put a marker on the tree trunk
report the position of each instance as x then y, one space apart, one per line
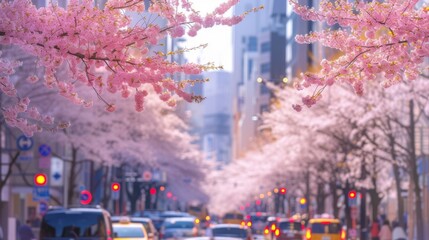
134 196
415 175
333 188
307 192
321 196
375 202
72 178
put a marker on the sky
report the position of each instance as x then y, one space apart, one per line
218 38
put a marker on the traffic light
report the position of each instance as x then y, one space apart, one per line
152 191
40 179
169 195
116 186
282 191
303 201
352 194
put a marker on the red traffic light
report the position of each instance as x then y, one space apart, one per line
282 191
169 195
40 179
352 194
116 187
152 191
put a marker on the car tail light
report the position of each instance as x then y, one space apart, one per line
308 234
325 222
266 230
273 227
249 224
277 232
343 234
243 223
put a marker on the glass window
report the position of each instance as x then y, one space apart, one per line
128 232
179 224
290 226
325 228
252 44
73 224
265 47
265 67
249 68
229 232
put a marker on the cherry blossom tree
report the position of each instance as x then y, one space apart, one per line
386 38
82 39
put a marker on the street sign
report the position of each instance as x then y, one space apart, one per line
45 162
147 176
24 143
43 207
26 156
85 197
40 193
57 172
44 150
115 195
156 175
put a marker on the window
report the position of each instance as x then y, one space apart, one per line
290 226
128 232
73 224
265 47
252 44
230 232
325 228
265 68
179 224
249 68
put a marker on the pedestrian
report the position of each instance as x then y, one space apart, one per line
385 232
1 233
398 232
25 232
375 230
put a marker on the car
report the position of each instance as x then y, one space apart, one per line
257 221
154 215
127 230
233 218
230 230
89 223
290 229
179 228
324 228
152 233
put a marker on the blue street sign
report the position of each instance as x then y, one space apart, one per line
44 150
57 176
43 207
41 193
24 143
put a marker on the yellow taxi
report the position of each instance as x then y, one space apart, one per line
233 218
324 229
126 230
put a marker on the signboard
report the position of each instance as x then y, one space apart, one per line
26 156
85 197
44 150
43 207
45 162
41 193
24 143
57 172
115 195
147 176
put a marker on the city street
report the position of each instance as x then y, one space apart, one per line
214 120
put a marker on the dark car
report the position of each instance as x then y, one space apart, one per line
92 223
257 222
290 229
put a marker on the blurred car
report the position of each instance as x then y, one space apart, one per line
179 228
152 233
154 215
89 223
233 218
230 230
290 229
257 222
324 229
127 230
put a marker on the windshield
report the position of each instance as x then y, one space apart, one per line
325 228
258 218
128 232
229 232
290 226
233 216
73 225
179 224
